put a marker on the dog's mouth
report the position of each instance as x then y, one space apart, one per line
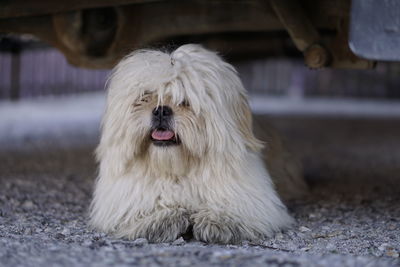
164 137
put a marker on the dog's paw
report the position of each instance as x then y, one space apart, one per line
219 229
163 226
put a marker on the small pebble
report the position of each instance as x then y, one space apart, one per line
140 242
330 247
383 246
66 231
28 204
306 248
304 229
326 228
28 231
179 242
59 236
87 243
312 216
279 236
392 253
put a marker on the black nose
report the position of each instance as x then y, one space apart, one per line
162 112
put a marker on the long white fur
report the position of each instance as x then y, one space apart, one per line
215 180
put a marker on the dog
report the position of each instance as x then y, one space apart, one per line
177 153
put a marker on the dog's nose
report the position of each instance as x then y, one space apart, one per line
162 112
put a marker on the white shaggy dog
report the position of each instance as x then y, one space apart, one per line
177 152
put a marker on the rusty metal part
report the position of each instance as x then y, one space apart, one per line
318 53
89 31
343 57
299 27
92 34
303 33
316 56
140 25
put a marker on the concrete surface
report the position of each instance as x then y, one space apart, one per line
350 218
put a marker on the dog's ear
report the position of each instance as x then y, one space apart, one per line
245 123
113 153
113 158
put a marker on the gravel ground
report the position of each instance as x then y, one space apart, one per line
350 218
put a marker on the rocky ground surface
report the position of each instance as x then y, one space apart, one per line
350 218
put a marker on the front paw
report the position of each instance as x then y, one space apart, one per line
214 228
167 229
160 227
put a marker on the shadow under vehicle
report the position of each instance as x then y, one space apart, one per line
97 33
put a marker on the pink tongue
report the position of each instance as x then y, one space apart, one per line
162 135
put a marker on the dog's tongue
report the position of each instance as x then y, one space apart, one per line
162 135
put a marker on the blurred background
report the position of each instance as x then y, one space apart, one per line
43 98
31 69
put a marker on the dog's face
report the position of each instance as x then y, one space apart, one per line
159 120
174 109
168 134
